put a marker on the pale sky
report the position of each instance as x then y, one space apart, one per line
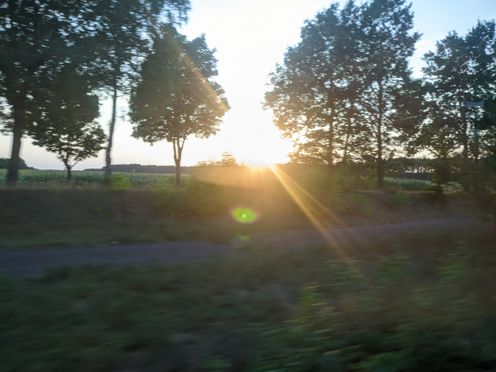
250 37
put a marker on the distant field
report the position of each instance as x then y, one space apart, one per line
44 178
47 178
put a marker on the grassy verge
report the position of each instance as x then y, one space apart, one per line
44 210
44 217
422 303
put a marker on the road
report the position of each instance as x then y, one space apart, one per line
33 262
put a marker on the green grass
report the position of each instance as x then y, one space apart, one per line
399 304
199 211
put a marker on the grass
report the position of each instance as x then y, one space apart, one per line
402 303
199 211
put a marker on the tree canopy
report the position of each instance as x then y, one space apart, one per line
177 95
65 118
339 91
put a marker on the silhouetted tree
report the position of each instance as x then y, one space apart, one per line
4 163
346 88
64 118
122 35
177 96
460 70
36 38
386 44
314 92
227 160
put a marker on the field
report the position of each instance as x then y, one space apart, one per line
34 178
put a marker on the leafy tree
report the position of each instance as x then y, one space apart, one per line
313 92
4 163
433 135
122 32
346 88
176 96
389 98
460 70
36 37
227 160
64 118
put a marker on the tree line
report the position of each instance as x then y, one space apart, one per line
59 58
346 91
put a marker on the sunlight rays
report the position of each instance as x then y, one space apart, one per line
314 210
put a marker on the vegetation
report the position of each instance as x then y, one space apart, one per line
458 73
4 163
345 92
401 303
139 207
177 96
65 124
121 41
344 83
393 300
101 42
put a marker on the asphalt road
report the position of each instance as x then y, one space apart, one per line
33 262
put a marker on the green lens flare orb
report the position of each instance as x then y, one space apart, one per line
244 215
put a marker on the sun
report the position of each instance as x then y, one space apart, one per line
262 152
257 163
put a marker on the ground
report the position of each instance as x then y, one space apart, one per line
151 278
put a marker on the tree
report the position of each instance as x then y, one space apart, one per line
435 136
4 164
64 118
461 70
176 96
122 35
36 37
386 44
227 160
313 92
345 90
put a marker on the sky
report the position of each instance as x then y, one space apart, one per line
250 37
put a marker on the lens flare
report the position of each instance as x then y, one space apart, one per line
244 215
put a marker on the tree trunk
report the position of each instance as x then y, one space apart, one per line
380 165
476 158
465 148
380 160
178 174
19 123
108 150
178 145
331 145
347 139
330 156
69 172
